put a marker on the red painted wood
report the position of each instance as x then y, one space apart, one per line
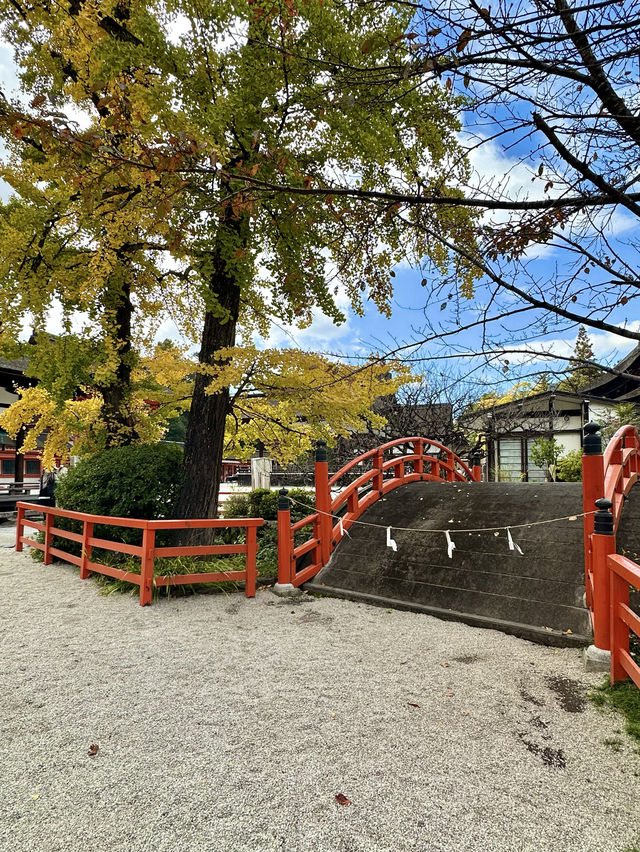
116 546
602 547
203 549
146 567
66 557
147 553
48 522
306 547
323 507
116 573
306 574
19 527
284 546
87 534
206 577
305 522
70 536
592 490
250 572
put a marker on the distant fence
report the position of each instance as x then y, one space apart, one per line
147 552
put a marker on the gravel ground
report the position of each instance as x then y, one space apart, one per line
232 724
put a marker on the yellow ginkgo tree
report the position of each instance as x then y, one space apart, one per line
160 170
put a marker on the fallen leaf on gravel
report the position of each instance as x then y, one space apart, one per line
448 693
464 713
35 795
93 750
446 665
403 662
342 800
412 704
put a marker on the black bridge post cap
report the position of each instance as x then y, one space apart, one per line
321 451
475 460
283 501
592 442
603 519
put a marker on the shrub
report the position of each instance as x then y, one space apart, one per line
236 506
305 496
263 503
130 482
570 466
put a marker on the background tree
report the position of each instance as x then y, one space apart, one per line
551 119
583 374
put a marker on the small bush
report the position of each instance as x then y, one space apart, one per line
303 496
569 468
236 506
126 482
129 482
263 503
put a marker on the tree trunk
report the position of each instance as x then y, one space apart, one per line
204 440
116 394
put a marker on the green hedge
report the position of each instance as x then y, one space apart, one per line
263 503
127 482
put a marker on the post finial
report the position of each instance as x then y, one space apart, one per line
321 451
283 501
603 519
592 442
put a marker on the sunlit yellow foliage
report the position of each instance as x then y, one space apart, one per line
287 399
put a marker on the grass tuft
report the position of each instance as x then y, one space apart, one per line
624 697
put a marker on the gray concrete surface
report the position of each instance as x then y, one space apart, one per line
536 594
231 724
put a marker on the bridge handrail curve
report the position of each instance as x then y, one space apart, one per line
326 532
398 441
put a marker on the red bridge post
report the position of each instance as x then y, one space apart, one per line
284 584
323 501
476 468
592 490
604 545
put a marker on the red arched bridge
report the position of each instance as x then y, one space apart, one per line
410 524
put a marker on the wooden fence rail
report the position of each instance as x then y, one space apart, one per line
147 552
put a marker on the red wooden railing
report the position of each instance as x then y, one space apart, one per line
395 463
624 573
147 552
606 480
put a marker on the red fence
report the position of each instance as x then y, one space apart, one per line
147 552
379 471
606 480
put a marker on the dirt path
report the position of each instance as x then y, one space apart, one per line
227 724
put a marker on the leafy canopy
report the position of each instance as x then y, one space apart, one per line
148 155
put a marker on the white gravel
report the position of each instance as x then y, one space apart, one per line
227 724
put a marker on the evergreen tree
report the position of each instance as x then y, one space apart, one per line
583 374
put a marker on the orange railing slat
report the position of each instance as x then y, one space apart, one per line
147 552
